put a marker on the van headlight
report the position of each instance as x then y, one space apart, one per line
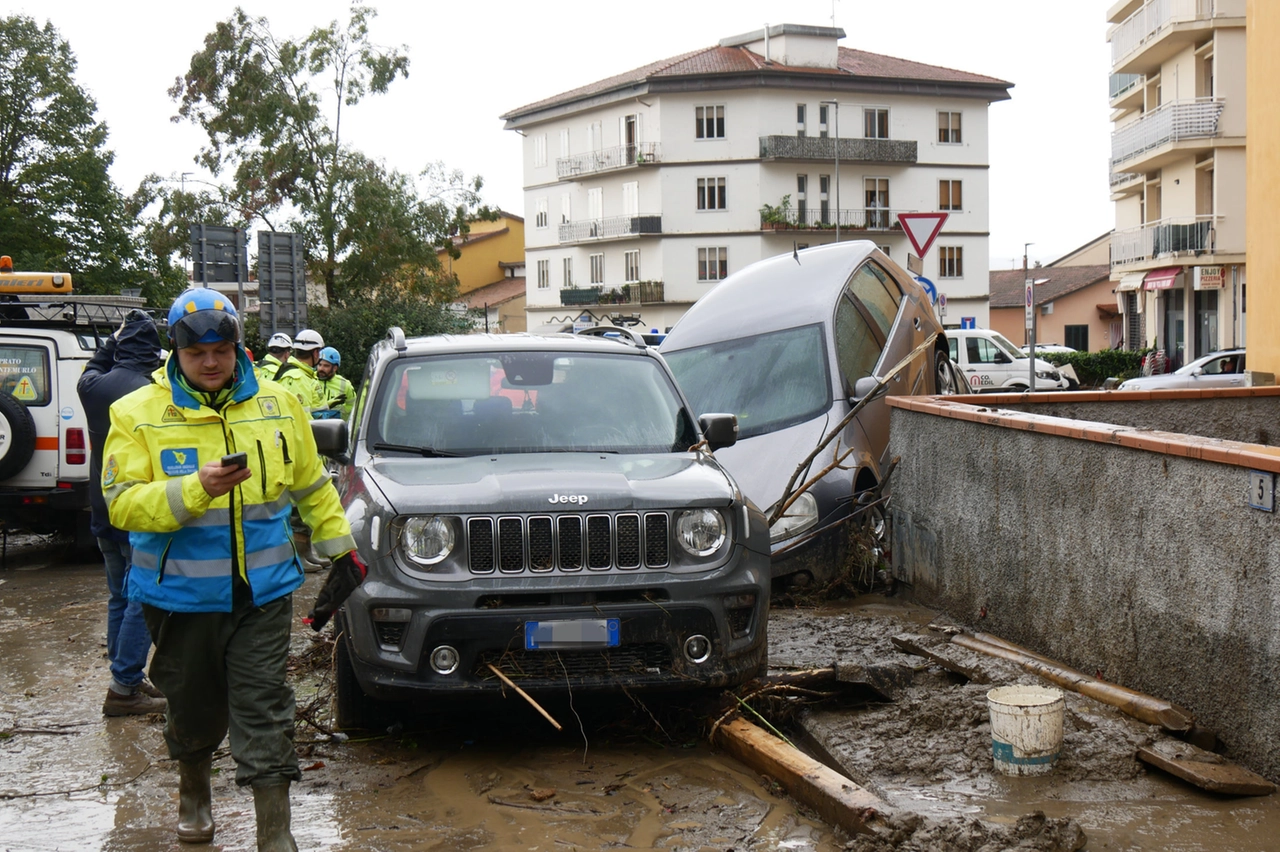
427 540
1048 374
800 515
700 531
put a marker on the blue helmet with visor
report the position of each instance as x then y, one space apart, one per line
331 355
202 315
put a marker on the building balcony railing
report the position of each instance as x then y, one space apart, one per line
1190 119
1190 235
1152 19
1121 178
1122 83
632 293
824 148
816 218
608 159
610 228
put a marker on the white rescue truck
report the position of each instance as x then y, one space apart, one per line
991 363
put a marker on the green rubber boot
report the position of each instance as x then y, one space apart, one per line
271 805
195 801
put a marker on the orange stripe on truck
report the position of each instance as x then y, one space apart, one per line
47 444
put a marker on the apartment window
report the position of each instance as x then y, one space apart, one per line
951 261
1076 336
540 216
566 209
876 202
631 266
802 199
824 193
597 268
564 142
949 128
713 264
884 250
540 150
544 274
800 119
823 110
711 194
709 122
875 123
949 197
595 137
568 272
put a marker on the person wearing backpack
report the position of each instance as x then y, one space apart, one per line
279 366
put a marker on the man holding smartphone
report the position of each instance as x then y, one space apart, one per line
202 468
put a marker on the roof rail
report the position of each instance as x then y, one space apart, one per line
72 311
615 332
396 335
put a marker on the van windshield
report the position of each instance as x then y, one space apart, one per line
1008 348
771 381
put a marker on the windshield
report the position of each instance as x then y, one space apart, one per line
522 402
1009 349
771 381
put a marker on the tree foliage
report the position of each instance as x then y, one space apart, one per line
272 110
58 206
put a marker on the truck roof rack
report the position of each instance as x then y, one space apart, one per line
71 312
614 332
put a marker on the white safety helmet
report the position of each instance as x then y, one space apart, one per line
280 340
308 341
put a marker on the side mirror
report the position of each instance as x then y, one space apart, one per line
1198 371
1002 358
331 436
865 385
720 430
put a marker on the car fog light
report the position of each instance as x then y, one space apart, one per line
427 540
444 660
700 531
800 515
697 649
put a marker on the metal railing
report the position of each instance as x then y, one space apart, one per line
1121 83
814 218
851 150
1152 19
1190 119
1119 178
610 227
1165 237
607 159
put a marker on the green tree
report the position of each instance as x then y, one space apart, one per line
58 206
272 110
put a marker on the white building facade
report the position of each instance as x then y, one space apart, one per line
1178 173
644 190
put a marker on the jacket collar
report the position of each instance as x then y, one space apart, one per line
245 386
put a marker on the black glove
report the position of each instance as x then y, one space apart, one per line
338 401
347 573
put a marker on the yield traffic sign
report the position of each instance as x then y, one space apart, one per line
922 229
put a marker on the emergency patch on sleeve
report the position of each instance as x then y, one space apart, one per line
269 406
179 462
110 471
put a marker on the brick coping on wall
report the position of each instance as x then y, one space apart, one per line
981 408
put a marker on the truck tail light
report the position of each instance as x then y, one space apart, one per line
75 446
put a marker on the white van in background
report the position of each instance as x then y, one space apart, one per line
991 363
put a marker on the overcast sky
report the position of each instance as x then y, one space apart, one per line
473 61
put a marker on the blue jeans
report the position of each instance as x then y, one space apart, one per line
128 641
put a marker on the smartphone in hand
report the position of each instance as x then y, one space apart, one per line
236 460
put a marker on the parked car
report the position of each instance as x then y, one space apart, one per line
991 363
541 507
1216 370
789 345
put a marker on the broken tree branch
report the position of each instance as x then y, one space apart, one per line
535 705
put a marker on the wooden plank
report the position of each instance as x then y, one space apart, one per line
942 652
836 799
1204 769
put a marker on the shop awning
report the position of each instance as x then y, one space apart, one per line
1130 281
1162 279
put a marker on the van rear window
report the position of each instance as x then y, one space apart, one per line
24 373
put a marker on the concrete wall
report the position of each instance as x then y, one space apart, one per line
1125 552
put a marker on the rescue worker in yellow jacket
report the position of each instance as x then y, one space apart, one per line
336 390
202 468
279 366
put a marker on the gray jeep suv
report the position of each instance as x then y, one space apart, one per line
549 508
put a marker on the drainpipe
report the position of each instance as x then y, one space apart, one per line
766 43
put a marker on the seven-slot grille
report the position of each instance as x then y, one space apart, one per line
598 542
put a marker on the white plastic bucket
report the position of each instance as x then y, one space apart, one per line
1026 728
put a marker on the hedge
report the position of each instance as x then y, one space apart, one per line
1094 368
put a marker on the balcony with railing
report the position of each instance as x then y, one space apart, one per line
610 228
824 148
1173 122
1126 91
632 293
1154 24
1174 237
608 159
816 219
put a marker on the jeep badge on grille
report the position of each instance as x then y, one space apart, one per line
580 499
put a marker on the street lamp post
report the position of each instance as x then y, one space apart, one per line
836 146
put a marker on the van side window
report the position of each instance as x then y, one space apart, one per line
981 350
858 346
954 345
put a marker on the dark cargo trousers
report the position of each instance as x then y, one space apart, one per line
225 672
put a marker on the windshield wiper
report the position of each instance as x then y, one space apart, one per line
425 452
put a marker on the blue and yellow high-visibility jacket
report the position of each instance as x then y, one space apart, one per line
185 543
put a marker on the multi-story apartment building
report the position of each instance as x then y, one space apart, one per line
1178 173
644 189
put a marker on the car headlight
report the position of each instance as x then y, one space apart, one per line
800 515
427 540
700 531
1047 374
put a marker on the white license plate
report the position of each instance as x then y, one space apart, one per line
577 633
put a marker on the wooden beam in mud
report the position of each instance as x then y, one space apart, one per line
836 799
939 651
1204 769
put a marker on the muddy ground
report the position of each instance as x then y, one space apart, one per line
622 774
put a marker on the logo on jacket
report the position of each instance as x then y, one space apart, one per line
110 471
173 415
179 462
269 406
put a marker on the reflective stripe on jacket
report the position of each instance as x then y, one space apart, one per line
185 543
332 388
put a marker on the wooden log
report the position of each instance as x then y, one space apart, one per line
1204 769
937 650
836 799
1143 707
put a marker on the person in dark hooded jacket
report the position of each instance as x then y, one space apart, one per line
120 366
